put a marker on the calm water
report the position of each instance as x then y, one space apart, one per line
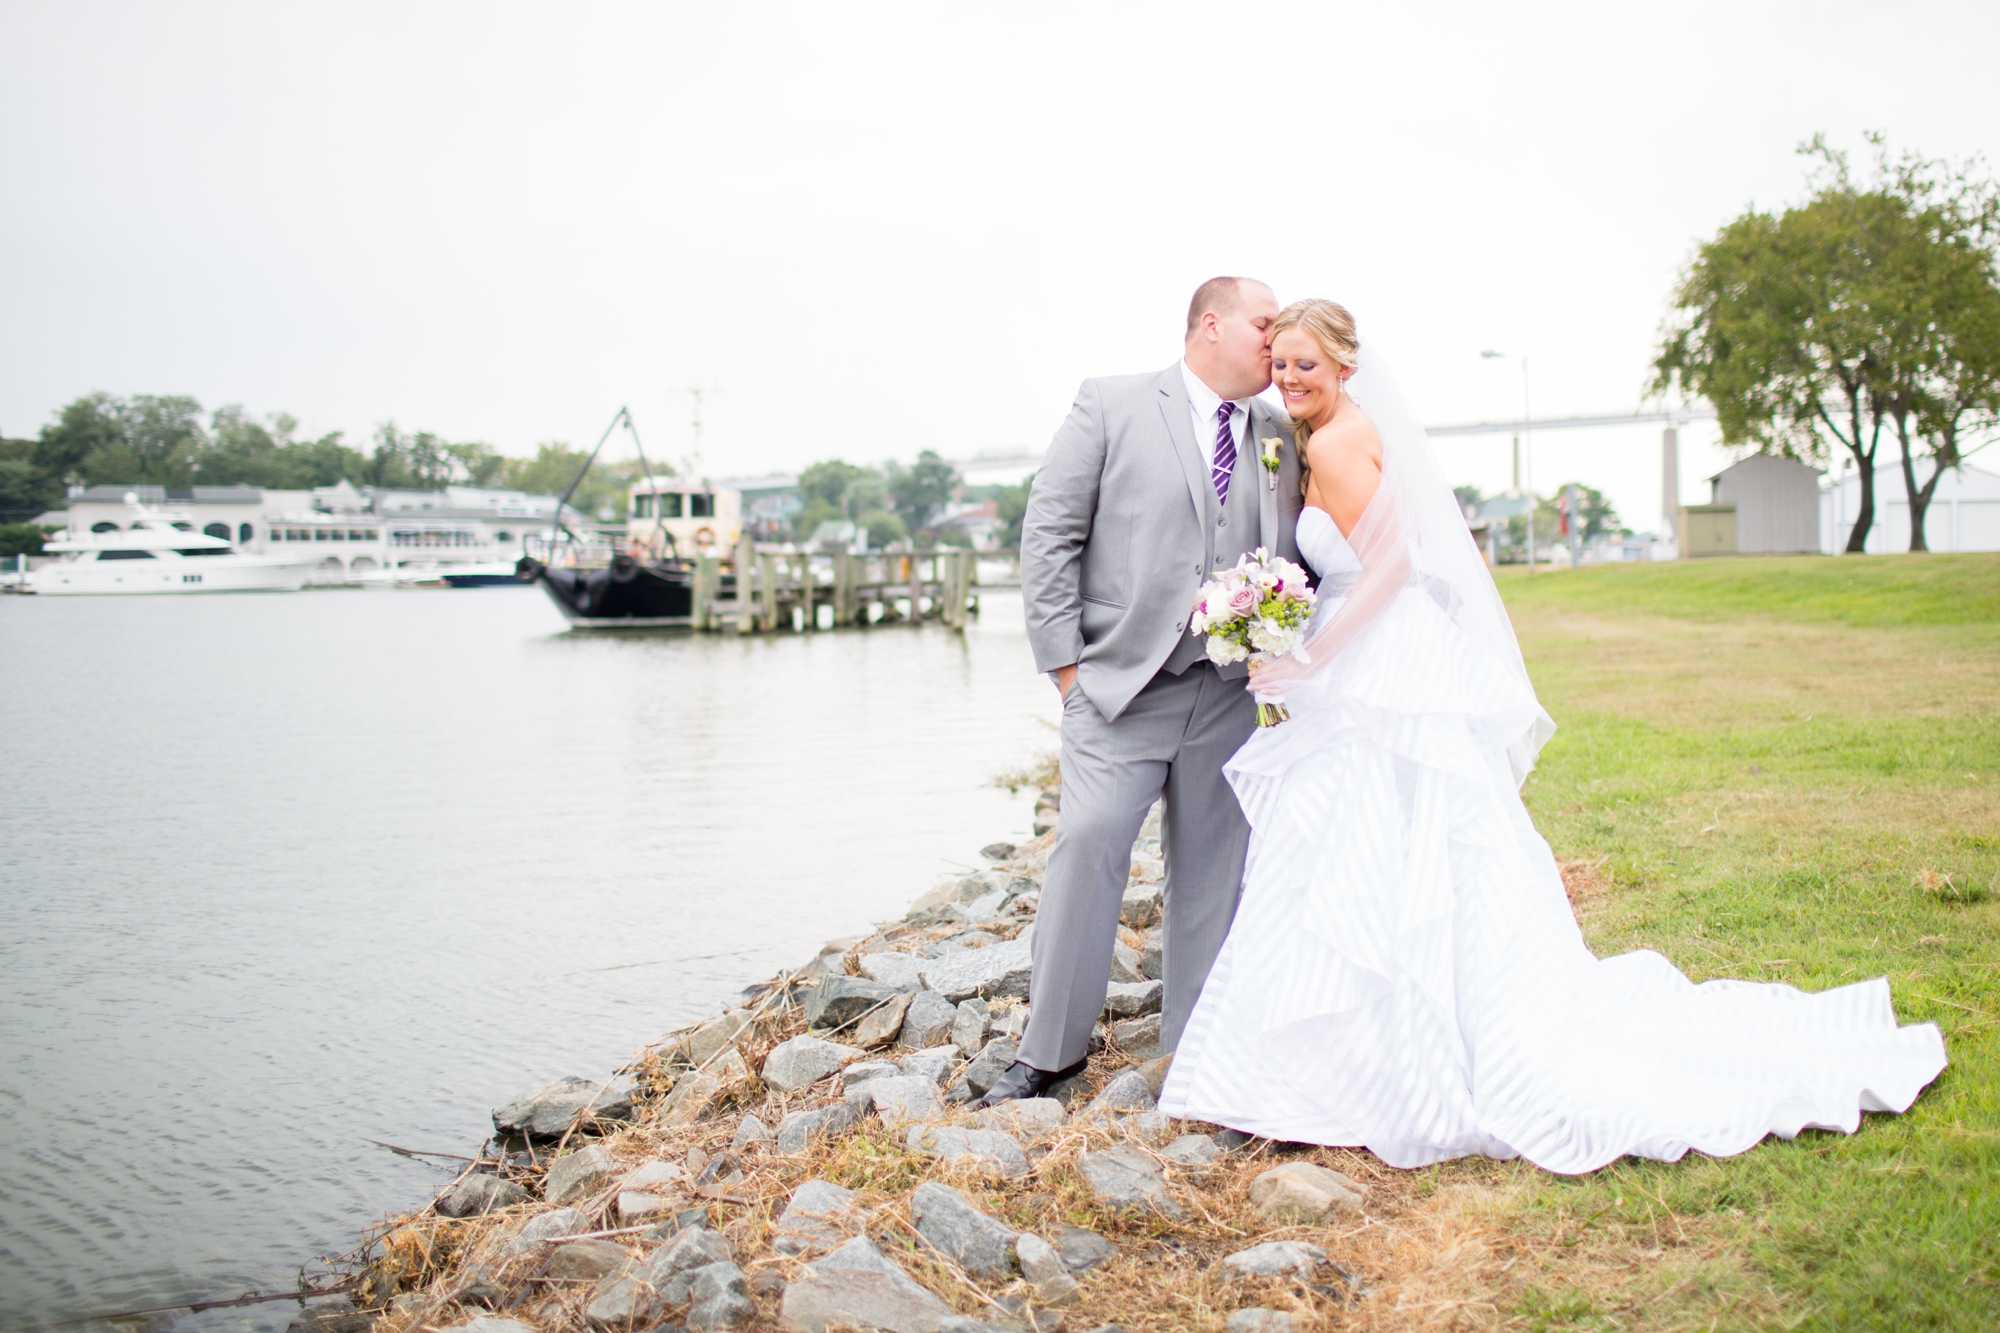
283 874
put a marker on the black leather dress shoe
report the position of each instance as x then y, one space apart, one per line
1023 1080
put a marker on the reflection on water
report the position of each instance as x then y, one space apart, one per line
283 874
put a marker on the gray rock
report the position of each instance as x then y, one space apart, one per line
484 1324
863 1070
588 1260
989 1151
899 971
1011 1023
804 1061
999 971
819 1217
718 1298
622 1301
579 1174
1143 1126
956 1228
1229 1140
879 1026
997 851
1131 999
1138 1037
1141 906
798 1129
979 1075
1152 958
987 906
1192 1150
341 1317
1028 1116
544 1226
1126 1092
842 999
969 1031
1259 1319
1039 1260
1124 1177
672 1267
973 939
549 1111
749 1130
905 1097
934 1064
965 1323
1303 1192
929 1020
716 1035
1081 1249
856 1285
1125 963
480 1193
1275 1258
1156 1073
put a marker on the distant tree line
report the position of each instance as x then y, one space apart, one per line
898 502
1871 310
162 440
1596 517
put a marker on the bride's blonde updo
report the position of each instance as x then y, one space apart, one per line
1328 324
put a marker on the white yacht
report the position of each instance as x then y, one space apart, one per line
159 553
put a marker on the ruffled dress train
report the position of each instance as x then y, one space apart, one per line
1405 973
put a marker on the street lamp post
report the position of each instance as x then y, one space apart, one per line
1528 431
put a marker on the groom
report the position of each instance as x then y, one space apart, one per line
1153 484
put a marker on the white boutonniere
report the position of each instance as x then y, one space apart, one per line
1267 450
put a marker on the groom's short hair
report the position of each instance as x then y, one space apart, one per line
1217 294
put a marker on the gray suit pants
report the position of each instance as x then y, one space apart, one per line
1172 739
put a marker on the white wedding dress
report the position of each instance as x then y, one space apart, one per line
1405 973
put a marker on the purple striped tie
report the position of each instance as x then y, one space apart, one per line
1225 453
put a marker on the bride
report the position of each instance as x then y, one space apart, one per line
1404 972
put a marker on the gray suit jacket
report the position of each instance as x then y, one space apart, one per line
1115 543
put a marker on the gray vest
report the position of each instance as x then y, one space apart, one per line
1232 532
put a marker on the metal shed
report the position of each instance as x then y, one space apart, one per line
1777 504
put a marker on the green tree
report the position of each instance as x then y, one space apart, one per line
263 453
23 538
24 490
883 528
1862 309
919 491
89 428
1940 385
828 482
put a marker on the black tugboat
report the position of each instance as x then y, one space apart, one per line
631 592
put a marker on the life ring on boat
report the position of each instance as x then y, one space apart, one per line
704 536
623 568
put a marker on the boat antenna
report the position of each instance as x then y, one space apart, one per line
555 522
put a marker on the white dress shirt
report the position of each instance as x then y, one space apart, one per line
1204 404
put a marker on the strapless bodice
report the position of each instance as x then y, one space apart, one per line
1327 552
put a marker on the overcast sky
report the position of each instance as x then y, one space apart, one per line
873 228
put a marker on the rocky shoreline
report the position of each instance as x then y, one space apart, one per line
807 1161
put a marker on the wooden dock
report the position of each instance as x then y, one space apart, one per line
802 590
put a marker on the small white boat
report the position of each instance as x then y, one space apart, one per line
159 553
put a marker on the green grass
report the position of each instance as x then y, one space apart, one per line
1793 767
1852 590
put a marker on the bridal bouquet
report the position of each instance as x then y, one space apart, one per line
1258 610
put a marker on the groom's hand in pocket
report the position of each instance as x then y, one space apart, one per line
1065 677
